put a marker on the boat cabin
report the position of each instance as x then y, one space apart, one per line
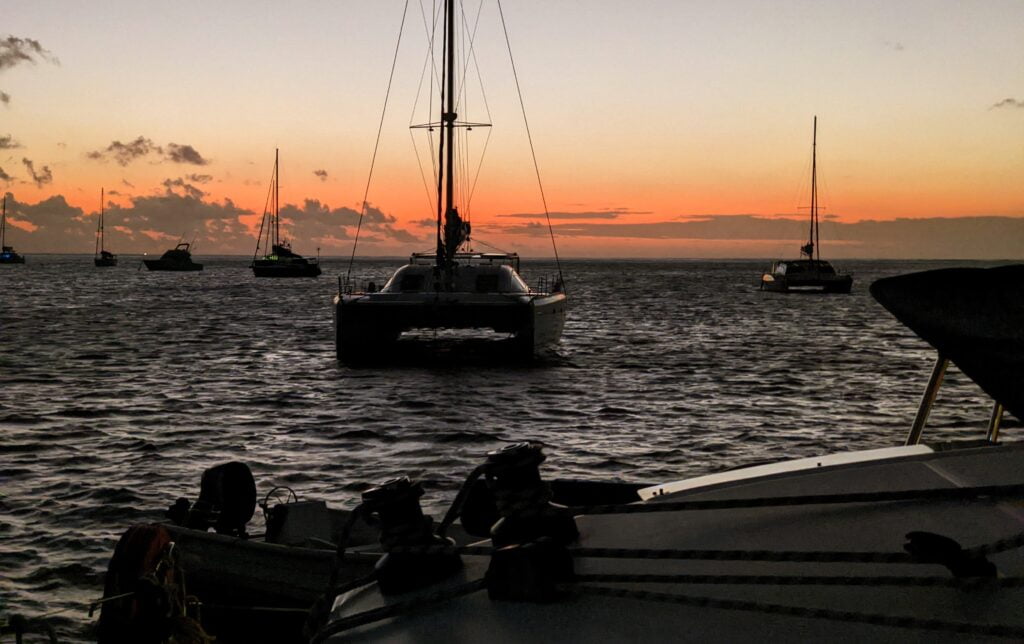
469 278
800 266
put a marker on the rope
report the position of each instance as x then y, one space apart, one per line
818 556
533 153
998 630
812 499
376 145
460 500
398 608
805 580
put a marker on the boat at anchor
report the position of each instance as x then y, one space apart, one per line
452 287
103 256
178 258
7 253
811 273
280 261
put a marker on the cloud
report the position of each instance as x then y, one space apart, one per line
893 45
600 214
321 173
1007 102
127 183
8 143
187 189
6 178
199 178
15 51
149 223
113 193
316 221
125 153
980 237
41 178
184 154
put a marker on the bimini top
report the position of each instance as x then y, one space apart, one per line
973 316
480 278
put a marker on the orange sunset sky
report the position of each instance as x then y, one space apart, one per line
661 128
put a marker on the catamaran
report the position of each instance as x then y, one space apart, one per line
452 287
280 261
812 274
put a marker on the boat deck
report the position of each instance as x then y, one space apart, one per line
742 611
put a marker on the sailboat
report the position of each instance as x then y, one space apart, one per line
7 253
280 261
103 256
810 273
452 287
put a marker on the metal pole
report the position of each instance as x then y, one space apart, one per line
994 421
927 400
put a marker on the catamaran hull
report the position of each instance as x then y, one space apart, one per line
368 325
835 284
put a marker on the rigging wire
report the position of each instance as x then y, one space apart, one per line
428 62
376 145
529 138
259 238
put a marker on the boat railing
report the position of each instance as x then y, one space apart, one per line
469 259
931 391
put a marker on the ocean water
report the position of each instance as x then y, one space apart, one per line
118 387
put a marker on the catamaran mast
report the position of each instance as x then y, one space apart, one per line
446 146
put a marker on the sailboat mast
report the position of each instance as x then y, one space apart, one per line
103 241
450 114
3 223
277 195
812 240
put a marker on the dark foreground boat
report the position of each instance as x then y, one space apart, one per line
103 258
281 261
7 253
177 259
919 542
813 274
451 289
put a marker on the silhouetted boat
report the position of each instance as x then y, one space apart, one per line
7 253
281 262
451 287
177 259
103 256
812 274
920 542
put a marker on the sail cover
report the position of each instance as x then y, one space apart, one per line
973 316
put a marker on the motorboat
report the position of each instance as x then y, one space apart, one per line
919 542
7 253
280 261
103 257
178 258
453 288
810 273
